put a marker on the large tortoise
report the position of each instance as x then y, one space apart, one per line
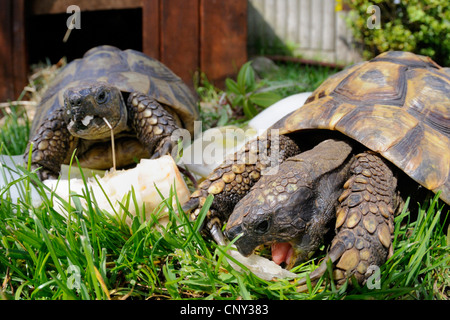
368 137
140 98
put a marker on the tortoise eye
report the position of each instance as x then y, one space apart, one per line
102 97
262 227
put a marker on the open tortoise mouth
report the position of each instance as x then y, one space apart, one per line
283 252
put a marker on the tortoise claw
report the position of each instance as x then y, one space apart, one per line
334 254
164 148
213 226
217 234
44 173
191 205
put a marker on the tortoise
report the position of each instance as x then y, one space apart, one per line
141 99
338 168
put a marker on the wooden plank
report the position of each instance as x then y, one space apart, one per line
280 18
345 52
328 30
251 25
180 37
6 66
19 47
151 35
340 40
60 6
305 23
270 18
316 19
292 19
223 38
259 34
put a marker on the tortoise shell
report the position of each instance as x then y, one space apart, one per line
397 104
129 71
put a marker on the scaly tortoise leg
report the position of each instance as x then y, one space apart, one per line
364 221
52 146
152 123
232 180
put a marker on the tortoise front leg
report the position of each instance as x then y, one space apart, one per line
152 123
232 180
52 146
364 220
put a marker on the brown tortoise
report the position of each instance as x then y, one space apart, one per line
140 98
348 157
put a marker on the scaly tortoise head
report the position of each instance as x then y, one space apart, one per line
87 108
294 203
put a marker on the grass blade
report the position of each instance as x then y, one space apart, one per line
49 244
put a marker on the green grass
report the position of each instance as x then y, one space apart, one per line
15 130
94 254
302 78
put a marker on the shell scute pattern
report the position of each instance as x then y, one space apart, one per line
129 71
362 101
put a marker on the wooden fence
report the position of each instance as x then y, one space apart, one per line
316 29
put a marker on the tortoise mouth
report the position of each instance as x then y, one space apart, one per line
290 253
90 127
283 252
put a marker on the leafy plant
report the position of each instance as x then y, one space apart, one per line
248 93
215 109
419 26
